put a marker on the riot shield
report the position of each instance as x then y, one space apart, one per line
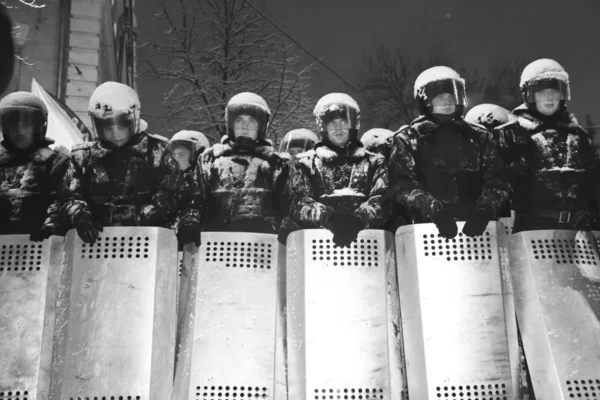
556 277
508 223
29 275
458 316
229 328
116 316
344 339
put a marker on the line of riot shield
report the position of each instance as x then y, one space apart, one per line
344 338
458 318
29 277
556 277
116 316
232 333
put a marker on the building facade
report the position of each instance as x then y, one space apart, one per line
72 46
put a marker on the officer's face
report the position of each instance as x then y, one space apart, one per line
338 132
245 125
547 101
183 157
293 151
444 103
21 135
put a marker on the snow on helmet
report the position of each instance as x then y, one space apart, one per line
28 109
489 115
337 105
302 138
375 137
438 80
544 74
194 141
114 109
250 104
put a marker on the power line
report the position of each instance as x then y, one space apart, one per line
302 47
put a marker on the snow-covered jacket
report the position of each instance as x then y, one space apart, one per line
552 166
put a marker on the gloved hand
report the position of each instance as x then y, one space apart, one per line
582 220
478 221
444 220
324 217
149 215
345 228
87 228
189 233
44 232
287 226
517 169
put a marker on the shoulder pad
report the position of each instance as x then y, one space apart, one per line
161 138
306 154
507 124
82 146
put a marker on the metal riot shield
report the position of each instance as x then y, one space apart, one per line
229 328
344 338
116 316
458 316
508 223
556 277
29 274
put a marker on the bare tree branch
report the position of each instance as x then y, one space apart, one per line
215 49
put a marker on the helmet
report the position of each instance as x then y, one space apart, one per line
438 80
195 142
24 109
337 105
489 115
375 137
544 74
114 109
251 104
302 138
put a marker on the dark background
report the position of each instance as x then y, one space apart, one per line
476 33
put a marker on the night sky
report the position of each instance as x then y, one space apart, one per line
475 32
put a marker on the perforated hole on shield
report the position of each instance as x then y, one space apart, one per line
564 251
349 393
107 398
109 247
583 388
14 395
361 253
21 257
229 392
461 248
240 254
478 391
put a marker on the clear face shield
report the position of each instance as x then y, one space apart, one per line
185 153
117 130
296 144
19 127
447 86
548 89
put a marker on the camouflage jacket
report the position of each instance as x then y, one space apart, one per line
552 166
457 163
29 190
114 183
354 183
239 188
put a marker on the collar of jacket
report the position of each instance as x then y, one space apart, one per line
429 127
39 154
530 123
355 152
265 152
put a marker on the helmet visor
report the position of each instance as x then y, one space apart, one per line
451 86
558 87
117 130
20 126
296 143
341 111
